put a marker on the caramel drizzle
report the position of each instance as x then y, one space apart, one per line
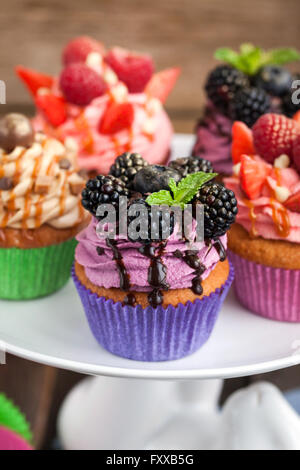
28 197
252 216
82 126
280 214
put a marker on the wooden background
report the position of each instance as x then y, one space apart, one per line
175 32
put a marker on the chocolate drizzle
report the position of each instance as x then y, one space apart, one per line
130 299
190 257
157 272
218 245
100 250
117 256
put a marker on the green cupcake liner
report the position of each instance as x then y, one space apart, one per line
35 272
12 418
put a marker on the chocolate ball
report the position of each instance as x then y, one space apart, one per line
15 130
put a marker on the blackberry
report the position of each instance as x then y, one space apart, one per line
273 79
143 234
126 167
153 178
220 209
102 190
249 104
222 85
189 165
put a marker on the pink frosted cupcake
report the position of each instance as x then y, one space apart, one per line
264 243
246 86
104 103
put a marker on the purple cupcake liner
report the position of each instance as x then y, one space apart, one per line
160 334
273 293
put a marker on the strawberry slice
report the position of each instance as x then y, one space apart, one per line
117 117
293 202
53 107
242 141
162 83
296 117
253 175
33 79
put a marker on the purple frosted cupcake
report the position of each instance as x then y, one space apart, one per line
154 297
247 85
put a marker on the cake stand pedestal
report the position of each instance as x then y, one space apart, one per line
132 405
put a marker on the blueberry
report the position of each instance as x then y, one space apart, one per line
154 178
274 79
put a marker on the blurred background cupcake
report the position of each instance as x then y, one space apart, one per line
247 85
264 242
104 102
155 297
40 210
15 433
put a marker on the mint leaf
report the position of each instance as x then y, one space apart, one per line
189 186
227 55
251 58
161 198
173 186
281 56
246 48
183 192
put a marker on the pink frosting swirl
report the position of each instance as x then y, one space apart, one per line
265 216
150 133
102 271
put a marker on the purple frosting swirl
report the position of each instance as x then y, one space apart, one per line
101 269
214 140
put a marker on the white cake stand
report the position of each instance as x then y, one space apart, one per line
54 331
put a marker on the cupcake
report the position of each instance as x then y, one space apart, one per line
104 103
247 85
264 242
15 431
153 292
40 210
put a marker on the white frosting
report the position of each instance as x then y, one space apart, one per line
41 190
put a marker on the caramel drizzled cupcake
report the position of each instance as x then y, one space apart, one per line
265 241
155 294
40 210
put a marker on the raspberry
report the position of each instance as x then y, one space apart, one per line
80 84
132 69
273 135
79 48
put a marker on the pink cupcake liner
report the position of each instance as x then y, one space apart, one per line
160 334
272 293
